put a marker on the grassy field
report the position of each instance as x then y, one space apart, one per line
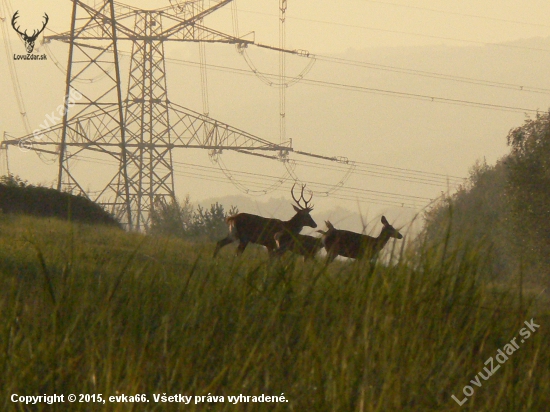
92 310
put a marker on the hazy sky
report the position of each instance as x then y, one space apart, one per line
323 26
335 26
362 29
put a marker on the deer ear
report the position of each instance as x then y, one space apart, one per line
385 221
296 208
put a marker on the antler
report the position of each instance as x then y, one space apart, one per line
43 26
34 33
15 16
306 202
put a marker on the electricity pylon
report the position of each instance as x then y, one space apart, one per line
142 129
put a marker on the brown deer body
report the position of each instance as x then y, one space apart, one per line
355 245
304 245
248 228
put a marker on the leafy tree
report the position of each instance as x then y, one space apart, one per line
172 219
474 217
182 220
529 187
506 207
13 181
209 224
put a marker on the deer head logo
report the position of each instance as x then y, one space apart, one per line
29 40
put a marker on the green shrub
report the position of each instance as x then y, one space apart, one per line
20 197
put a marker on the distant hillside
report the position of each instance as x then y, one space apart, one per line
19 197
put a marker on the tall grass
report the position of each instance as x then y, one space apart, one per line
90 310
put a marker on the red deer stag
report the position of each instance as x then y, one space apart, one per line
355 245
304 245
246 228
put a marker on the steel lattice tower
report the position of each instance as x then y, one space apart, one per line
142 130
147 120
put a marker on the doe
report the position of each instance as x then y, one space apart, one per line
304 245
355 245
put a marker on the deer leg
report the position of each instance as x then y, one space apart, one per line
331 256
275 253
225 241
241 247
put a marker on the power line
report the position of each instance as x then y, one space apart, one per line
356 63
408 6
258 180
484 43
372 90
412 171
403 204
263 178
441 76
439 181
417 96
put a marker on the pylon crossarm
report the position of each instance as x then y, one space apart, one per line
200 33
192 129
40 147
94 30
250 153
95 129
65 37
99 130
181 23
298 52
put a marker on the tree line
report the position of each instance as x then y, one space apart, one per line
182 219
505 208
